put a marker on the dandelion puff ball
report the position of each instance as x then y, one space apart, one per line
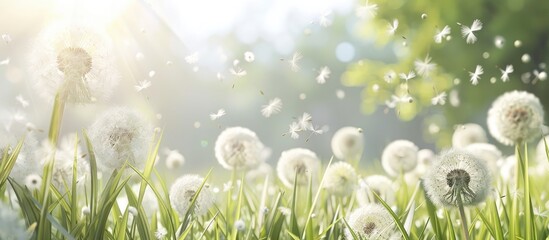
239 148
371 221
399 157
381 185
120 135
11 225
183 191
488 153
75 61
300 161
515 117
340 179
348 143
468 134
457 171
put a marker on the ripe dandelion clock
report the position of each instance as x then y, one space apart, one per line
468 134
297 161
399 157
340 179
184 190
174 159
11 225
378 184
74 62
457 179
515 117
371 221
239 148
120 135
348 143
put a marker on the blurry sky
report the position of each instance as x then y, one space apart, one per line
154 40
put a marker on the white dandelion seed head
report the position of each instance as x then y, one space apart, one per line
300 161
249 56
348 143
399 156
239 148
487 153
425 158
174 160
11 225
259 173
240 225
468 134
184 189
120 135
33 181
499 41
86 211
371 221
457 172
75 61
515 117
340 179
381 185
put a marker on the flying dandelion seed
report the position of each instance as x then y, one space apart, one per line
442 34
24 103
408 76
294 130
424 67
5 62
192 58
74 61
142 85
325 19
274 106
390 76
469 32
393 27
238 72
323 74
6 37
249 56
294 62
368 10
439 99
475 76
305 121
220 113
505 73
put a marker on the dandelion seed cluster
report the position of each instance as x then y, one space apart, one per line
239 148
297 161
348 143
120 135
371 221
74 61
467 134
184 189
399 157
457 174
515 117
378 184
340 179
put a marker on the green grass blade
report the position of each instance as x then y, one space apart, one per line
393 215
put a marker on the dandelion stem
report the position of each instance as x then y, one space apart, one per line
56 119
463 217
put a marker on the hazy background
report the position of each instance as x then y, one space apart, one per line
158 35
